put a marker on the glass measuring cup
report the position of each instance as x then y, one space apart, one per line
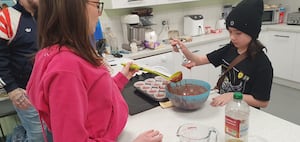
197 133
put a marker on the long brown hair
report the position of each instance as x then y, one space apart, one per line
65 22
255 46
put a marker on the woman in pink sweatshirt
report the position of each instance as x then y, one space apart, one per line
70 84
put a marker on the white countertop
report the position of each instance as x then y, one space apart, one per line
204 39
167 48
263 127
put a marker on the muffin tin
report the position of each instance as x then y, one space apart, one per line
153 88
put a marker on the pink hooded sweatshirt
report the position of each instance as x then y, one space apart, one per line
78 101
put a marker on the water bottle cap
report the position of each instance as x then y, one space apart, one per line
238 95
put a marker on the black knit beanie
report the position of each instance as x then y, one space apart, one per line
247 17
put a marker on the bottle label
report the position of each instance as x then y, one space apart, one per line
236 128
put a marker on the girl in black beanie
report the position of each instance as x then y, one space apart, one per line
253 75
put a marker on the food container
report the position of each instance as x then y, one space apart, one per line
188 94
152 88
151 39
173 34
197 133
139 84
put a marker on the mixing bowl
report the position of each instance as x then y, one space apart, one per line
188 94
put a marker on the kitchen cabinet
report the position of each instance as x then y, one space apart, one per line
296 71
281 51
162 62
118 4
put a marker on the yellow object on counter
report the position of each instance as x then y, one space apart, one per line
160 46
166 104
186 38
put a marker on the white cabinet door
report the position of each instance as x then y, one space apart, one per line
281 48
163 62
118 4
296 73
263 37
205 72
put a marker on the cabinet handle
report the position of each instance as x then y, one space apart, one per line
134 0
195 51
282 36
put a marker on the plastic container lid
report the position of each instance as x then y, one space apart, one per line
282 9
238 95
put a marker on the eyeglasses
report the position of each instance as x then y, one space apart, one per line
99 5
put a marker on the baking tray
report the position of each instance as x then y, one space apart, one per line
136 100
154 88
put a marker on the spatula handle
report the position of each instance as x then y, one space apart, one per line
136 67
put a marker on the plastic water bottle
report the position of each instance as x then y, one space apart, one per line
281 14
112 41
236 119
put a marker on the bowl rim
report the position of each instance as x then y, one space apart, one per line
206 85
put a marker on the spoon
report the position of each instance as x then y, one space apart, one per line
177 76
185 60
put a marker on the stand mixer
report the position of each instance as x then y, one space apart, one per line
133 32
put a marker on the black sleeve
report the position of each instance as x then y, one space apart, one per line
215 57
263 78
5 72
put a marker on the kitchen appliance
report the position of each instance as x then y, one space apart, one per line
145 17
293 18
193 25
133 32
270 16
150 38
221 24
226 10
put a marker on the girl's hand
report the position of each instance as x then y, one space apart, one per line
149 136
222 100
127 71
175 42
189 65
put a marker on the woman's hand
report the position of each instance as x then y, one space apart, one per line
127 72
149 136
222 100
